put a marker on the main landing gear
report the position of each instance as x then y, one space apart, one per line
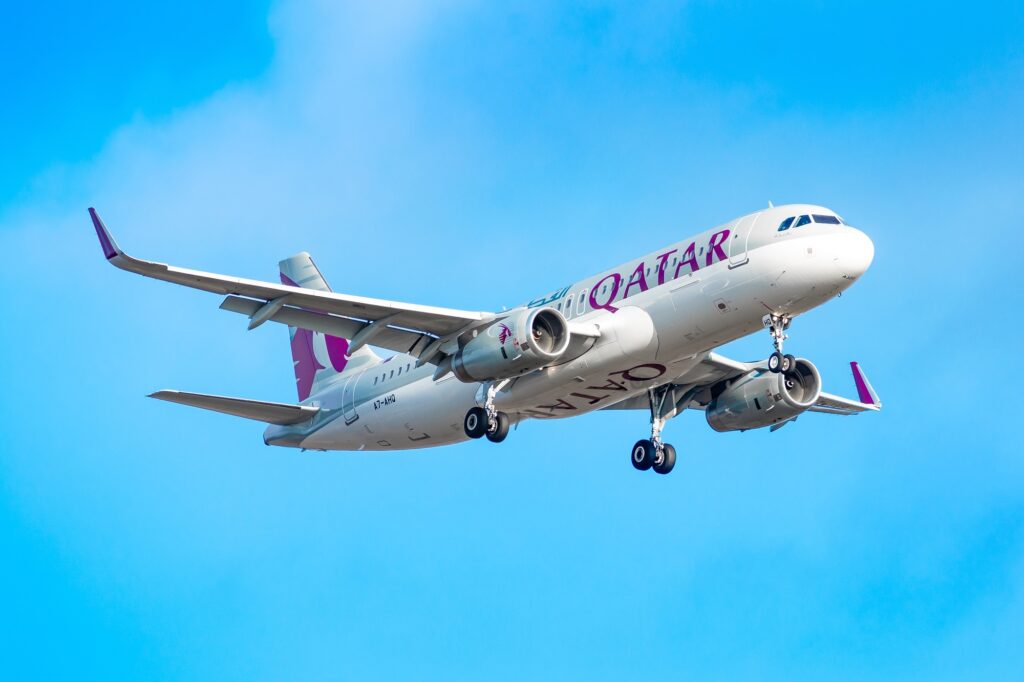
653 453
486 420
777 326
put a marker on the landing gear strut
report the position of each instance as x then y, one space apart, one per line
653 453
487 420
777 326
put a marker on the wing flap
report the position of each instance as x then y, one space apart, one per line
397 339
282 414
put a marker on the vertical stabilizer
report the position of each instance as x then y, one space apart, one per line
318 358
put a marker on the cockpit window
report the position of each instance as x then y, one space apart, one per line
830 219
786 223
803 220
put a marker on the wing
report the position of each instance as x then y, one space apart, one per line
692 389
868 399
419 330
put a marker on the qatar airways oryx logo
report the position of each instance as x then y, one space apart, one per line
504 333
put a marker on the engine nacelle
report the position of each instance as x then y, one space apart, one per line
762 398
520 343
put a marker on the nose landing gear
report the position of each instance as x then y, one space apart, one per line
777 326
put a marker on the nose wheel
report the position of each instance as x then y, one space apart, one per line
777 326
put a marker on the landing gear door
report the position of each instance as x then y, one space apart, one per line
348 399
739 240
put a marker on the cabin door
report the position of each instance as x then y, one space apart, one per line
348 398
739 240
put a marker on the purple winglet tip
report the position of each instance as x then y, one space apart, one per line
862 388
109 250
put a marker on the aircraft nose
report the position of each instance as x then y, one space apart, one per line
856 251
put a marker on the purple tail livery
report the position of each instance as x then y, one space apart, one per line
317 357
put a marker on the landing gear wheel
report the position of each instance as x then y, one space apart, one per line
777 326
664 464
500 428
643 455
475 422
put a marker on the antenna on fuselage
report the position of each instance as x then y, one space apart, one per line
770 204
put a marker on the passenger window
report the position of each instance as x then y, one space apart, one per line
804 220
784 225
568 307
399 370
581 306
375 381
392 374
827 219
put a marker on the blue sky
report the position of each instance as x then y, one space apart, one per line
470 155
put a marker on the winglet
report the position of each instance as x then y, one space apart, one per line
866 394
110 249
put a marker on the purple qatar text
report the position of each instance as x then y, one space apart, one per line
606 291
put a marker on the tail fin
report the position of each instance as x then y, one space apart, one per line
318 358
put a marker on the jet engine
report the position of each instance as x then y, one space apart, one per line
762 398
519 343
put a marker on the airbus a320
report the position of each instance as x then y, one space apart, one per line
640 336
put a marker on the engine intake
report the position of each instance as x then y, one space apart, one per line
762 398
520 343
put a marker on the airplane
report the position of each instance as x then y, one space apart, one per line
640 336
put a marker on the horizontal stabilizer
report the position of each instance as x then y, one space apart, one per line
270 413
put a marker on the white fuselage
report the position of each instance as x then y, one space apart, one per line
657 316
